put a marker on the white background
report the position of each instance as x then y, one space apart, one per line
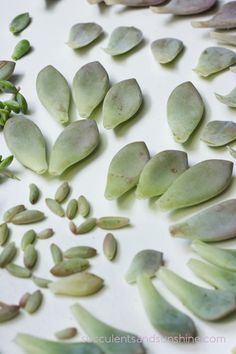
118 304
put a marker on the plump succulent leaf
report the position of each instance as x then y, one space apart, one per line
135 3
184 7
6 69
82 34
229 100
219 133
225 38
165 50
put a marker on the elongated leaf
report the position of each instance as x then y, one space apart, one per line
121 103
164 317
123 39
185 110
207 304
89 88
215 59
125 169
225 18
27 143
83 34
229 100
95 328
54 93
165 50
77 141
224 37
184 7
199 183
219 133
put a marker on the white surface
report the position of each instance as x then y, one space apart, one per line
118 303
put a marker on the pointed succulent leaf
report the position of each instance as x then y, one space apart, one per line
123 39
229 100
27 143
207 304
165 50
89 88
7 312
95 328
184 7
125 169
121 103
54 93
19 23
219 133
69 266
82 34
160 172
77 141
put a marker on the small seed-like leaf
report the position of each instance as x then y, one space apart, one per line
135 3
34 302
86 226
81 252
77 141
121 103
125 169
83 34
123 39
66 333
229 100
215 59
216 223
95 328
54 93
4 233
223 19
41 282
18 271
24 299
219 133
83 206
165 50
199 183
207 304
30 256
10 213
28 217
112 222
6 69
22 103
224 37
34 193
215 276
160 172
185 110
146 262
27 143
27 239
164 317
184 7
8 254
45 234
33 345
55 207
69 266
224 258
62 192
72 208
73 227
21 49
81 284
8 312
56 253
110 247
89 88
20 22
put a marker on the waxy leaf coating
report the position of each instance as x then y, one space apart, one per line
225 18
229 100
54 93
123 39
135 3
125 169
215 59
207 304
216 223
199 183
121 103
184 7
95 328
160 172
185 110
89 87
27 143
165 50
83 34
164 317
219 133
77 141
